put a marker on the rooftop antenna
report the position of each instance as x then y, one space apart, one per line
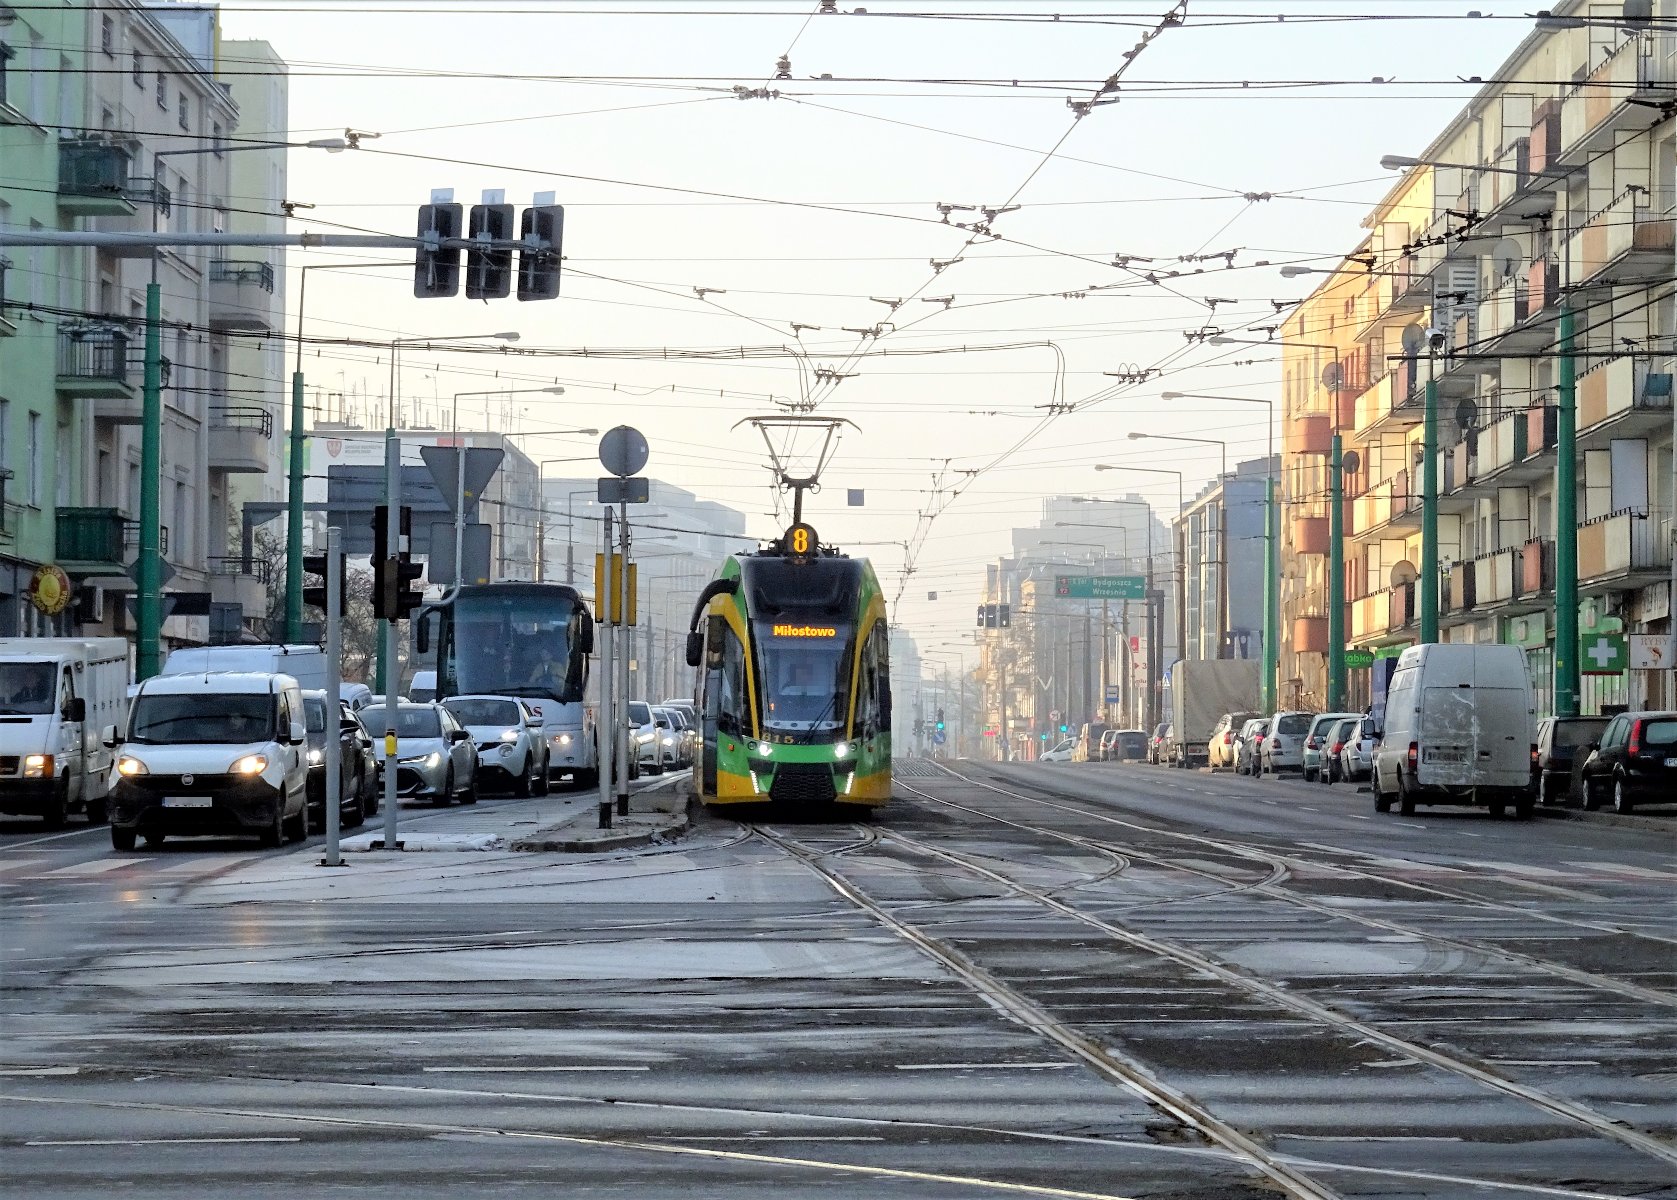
787 427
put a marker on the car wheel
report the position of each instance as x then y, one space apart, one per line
273 834
122 839
1525 805
58 812
1406 798
1309 775
1382 802
448 789
1593 799
297 828
1622 803
543 776
469 796
1545 790
526 784
1497 808
97 813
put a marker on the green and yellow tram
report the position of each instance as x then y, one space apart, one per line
794 688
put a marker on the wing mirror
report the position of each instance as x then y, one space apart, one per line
299 734
458 735
108 738
695 648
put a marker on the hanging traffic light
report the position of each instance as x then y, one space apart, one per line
1004 615
436 270
489 270
316 597
542 231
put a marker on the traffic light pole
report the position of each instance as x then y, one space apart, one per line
622 573
392 676
605 724
334 668
1566 523
148 602
1336 578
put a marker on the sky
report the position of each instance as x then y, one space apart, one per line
810 209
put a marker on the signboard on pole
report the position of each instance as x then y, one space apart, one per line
1602 654
1100 587
1357 660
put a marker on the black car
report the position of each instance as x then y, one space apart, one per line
1558 741
355 763
1635 760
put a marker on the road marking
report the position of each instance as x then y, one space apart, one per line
212 1141
1623 869
97 866
1003 1066
769 1137
52 837
1411 825
520 1070
1545 1062
38 1071
1359 817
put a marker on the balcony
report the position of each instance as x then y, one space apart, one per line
1393 401
1621 398
93 362
1310 535
1624 550
93 179
1389 504
1493 578
1599 106
242 581
1310 635
1626 242
241 294
1543 288
1546 135
89 541
1370 617
1312 433
1534 582
240 440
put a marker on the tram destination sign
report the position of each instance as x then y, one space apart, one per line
1100 587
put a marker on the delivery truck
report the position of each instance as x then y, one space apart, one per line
56 694
306 664
1201 691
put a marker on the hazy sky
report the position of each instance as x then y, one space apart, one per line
807 207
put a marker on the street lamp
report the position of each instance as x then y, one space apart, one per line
1155 599
1222 531
148 601
1272 544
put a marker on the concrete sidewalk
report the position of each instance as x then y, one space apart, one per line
562 821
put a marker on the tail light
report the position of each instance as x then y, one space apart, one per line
1310 743
1414 754
1228 738
1636 737
1337 747
1276 741
1534 756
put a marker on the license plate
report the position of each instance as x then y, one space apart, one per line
1671 762
1446 754
188 802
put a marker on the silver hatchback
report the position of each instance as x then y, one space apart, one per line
435 757
1283 748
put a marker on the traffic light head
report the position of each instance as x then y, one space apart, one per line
316 597
436 271
489 271
410 594
1004 615
1065 728
543 233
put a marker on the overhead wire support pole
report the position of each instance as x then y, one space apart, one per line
623 671
606 725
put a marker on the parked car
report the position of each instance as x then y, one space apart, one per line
1089 742
1562 748
1130 745
1459 729
211 754
667 729
1635 761
1283 748
1157 743
1356 758
1313 757
1223 735
508 735
1247 745
435 757
1062 751
356 695
332 730
1334 741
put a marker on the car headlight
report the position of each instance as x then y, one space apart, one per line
508 747
316 756
840 749
130 767
250 764
434 759
510 735
37 766
563 739
669 741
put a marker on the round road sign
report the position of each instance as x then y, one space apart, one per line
623 451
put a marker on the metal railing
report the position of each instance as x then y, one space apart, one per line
258 569
89 351
242 271
256 420
89 534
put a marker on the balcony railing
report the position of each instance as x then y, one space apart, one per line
242 271
89 536
1537 569
1542 429
93 168
232 564
244 417
94 353
1638 68
1626 236
1624 542
1618 387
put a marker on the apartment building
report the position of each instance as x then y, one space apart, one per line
1223 539
1540 206
125 128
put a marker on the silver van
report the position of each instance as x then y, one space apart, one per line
1459 729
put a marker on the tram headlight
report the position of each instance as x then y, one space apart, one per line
841 749
765 749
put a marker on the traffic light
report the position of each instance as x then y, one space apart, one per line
542 231
410 594
315 597
1004 615
436 271
981 611
1064 728
488 270
940 720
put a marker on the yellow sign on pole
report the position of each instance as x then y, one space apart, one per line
614 574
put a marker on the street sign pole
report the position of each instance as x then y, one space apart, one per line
334 672
622 572
605 726
392 672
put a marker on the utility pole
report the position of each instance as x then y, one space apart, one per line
1336 577
1566 523
1429 506
606 722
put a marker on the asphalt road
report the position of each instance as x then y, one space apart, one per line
1087 980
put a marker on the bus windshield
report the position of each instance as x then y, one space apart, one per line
514 641
804 673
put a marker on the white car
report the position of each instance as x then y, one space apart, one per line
645 753
1246 746
1356 761
1283 745
1061 752
509 750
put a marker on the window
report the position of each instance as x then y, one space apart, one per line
180 540
107 36
162 91
183 112
5 441
137 69
6 56
32 452
216 143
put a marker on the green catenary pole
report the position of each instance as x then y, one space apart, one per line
1566 526
294 518
149 581
1429 508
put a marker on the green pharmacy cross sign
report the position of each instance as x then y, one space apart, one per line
1100 587
1602 653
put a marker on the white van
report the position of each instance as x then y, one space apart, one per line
306 664
1459 729
423 689
211 754
56 694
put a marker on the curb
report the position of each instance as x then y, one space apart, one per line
1619 820
560 840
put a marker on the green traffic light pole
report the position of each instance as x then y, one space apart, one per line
1566 523
1429 496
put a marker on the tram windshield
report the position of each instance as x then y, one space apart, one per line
804 670
514 642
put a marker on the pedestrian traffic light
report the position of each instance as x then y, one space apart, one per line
381 529
543 234
316 597
436 271
1004 615
981 609
1064 728
488 269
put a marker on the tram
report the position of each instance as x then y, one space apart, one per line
794 679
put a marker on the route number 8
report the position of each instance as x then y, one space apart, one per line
800 541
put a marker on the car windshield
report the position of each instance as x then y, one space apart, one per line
410 722
518 641
214 718
314 713
486 712
1578 733
26 688
1294 724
